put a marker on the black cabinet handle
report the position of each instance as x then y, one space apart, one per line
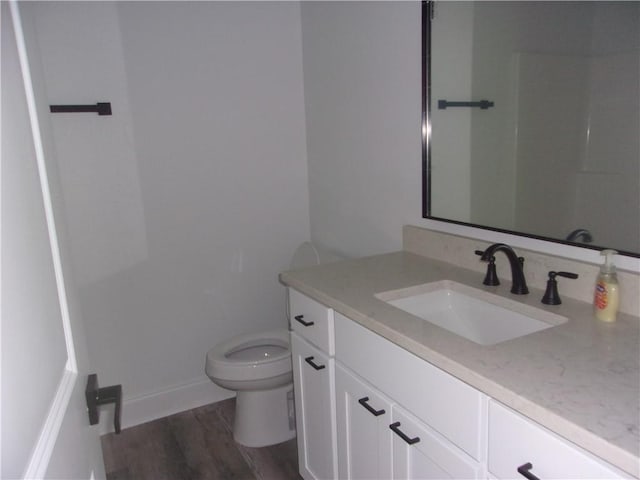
376 413
401 434
310 361
300 318
524 471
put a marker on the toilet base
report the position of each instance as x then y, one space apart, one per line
264 417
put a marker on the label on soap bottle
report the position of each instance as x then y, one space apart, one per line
606 300
601 299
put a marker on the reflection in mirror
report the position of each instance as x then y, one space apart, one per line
549 146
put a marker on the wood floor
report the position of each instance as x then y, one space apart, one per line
194 445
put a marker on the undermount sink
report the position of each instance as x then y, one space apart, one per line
474 314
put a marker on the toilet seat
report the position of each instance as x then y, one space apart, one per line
262 352
249 357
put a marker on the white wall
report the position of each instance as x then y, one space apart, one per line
184 205
554 162
610 170
451 78
362 96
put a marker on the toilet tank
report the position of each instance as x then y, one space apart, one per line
308 255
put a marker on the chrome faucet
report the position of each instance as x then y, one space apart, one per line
580 232
519 284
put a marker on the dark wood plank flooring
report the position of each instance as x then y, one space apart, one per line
194 445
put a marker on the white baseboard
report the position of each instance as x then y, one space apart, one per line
175 399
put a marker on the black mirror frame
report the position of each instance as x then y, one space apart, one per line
427 15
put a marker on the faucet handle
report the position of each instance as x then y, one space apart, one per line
551 295
491 278
565 274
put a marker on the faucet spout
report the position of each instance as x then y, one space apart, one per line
519 283
580 233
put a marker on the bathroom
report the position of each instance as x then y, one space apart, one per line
239 131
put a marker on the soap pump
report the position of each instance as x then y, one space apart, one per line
606 296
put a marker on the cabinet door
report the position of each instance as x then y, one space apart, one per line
515 442
421 453
364 440
423 389
315 410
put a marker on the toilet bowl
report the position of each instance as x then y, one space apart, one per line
258 361
258 367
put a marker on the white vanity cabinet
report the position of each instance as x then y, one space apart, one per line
314 386
367 408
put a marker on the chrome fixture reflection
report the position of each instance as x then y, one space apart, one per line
580 233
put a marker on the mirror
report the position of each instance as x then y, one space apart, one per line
531 119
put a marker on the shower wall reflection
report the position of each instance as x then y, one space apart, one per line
560 149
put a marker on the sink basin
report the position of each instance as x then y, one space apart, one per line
474 314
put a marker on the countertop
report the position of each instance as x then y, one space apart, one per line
580 379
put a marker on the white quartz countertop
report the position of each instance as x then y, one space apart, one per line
580 379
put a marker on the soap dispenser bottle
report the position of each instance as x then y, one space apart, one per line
607 296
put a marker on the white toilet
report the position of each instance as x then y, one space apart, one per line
258 367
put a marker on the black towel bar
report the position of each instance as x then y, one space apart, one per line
101 108
483 104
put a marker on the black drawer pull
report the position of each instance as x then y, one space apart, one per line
401 434
300 318
524 471
310 361
376 413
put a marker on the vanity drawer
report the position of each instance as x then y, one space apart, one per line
515 441
446 404
312 321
